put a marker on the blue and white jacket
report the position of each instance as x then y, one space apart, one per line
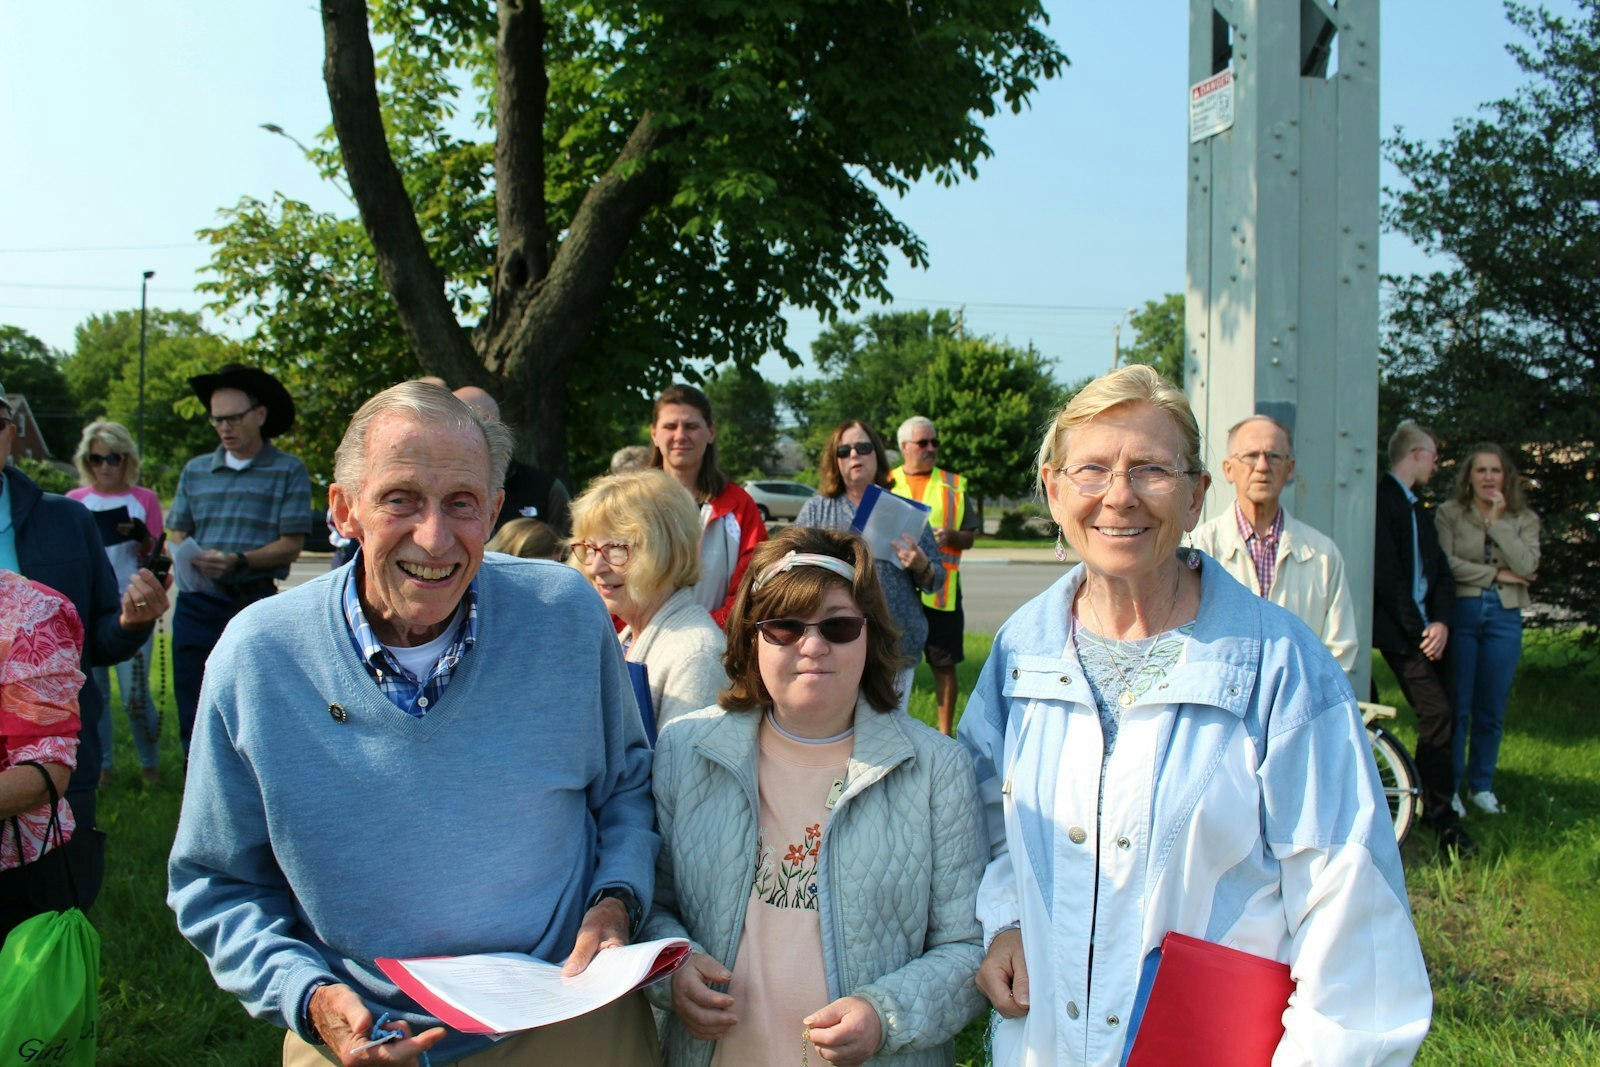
1241 804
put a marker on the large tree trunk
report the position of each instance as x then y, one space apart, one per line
544 300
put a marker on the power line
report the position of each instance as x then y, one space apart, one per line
86 288
107 248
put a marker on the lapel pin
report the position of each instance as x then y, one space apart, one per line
337 712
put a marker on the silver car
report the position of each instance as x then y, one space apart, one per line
779 499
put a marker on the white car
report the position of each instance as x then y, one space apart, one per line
778 499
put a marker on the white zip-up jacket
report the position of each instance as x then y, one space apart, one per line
1241 805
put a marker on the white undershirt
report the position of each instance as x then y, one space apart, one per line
419 660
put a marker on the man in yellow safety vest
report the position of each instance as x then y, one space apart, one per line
956 521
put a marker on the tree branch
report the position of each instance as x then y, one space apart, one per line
523 255
408 271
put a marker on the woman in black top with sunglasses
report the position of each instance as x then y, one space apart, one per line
851 937
853 460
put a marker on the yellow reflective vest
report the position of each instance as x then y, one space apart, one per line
946 494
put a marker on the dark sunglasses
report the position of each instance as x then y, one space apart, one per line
839 630
113 458
860 448
926 442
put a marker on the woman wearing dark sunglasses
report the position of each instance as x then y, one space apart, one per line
852 937
108 465
853 460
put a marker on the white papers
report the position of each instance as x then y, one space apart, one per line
190 580
883 517
499 992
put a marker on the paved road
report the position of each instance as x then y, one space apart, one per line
995 582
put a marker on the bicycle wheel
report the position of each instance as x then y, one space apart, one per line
1399 777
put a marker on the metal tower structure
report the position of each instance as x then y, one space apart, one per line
1282 295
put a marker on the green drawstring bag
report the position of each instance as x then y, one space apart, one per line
49 989
49 968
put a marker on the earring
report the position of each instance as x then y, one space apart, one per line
1191 558
1061 549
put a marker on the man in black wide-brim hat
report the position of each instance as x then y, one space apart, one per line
247 507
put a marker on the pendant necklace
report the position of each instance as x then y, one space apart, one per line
1126 699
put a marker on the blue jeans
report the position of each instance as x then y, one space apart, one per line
1487 643
133 683
197 625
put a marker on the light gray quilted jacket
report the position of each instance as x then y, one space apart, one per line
897 873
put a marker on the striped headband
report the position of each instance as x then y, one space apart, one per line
807 559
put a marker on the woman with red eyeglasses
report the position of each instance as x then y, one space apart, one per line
854 460
852 936
108 465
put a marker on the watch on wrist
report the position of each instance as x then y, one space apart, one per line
625 897
240 564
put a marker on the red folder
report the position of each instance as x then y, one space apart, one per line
1208 1006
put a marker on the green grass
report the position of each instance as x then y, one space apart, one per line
1512 937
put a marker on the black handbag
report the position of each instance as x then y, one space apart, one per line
47 882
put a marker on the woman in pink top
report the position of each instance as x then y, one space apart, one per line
40 642
108 464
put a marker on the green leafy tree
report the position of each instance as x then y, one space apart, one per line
28 366
1158 327
1504 344
747 420
663 178
989 399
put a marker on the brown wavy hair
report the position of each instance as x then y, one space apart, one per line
1513 481
711 480
829 482
797 593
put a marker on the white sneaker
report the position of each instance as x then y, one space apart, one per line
1456 806
1487 803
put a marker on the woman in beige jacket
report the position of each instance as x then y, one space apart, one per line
1492 539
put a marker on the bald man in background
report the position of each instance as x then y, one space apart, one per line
530 492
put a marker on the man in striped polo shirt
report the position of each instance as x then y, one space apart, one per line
248 508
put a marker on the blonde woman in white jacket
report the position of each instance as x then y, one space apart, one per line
636 537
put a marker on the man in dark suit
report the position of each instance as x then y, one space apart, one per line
1413 594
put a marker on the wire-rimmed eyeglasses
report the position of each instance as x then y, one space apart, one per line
1147 479
615 553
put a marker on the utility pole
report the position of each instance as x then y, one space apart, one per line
143 290
1282 299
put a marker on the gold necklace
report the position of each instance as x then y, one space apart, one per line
1126 699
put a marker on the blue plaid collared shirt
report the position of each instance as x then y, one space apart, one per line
410 694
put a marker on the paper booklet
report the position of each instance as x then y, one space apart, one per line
190 580
501 992
883 517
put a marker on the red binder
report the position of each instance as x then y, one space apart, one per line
1204 1005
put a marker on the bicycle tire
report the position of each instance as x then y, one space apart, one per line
1398 775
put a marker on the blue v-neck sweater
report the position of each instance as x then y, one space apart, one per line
314 840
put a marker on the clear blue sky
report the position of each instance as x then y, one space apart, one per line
127 126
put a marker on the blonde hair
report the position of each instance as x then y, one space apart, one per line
655 515
1511 480
1408 436
528 538
1136 384
116 438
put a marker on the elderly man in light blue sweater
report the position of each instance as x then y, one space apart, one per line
422 753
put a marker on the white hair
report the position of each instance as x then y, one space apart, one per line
910 426
427 405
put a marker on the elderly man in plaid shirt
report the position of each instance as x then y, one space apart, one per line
1271 551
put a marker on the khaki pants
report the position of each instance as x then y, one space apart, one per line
621 1034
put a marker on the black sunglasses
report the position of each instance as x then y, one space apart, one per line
926 442
860 448
113 458
838 630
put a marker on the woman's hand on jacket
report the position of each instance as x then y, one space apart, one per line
706 1013
846 1032
1003 977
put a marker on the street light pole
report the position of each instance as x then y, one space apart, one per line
1116 337
144 286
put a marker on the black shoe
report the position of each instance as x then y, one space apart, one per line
1452 838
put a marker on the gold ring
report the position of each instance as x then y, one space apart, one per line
141 604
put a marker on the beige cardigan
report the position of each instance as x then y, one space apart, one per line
1514 545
